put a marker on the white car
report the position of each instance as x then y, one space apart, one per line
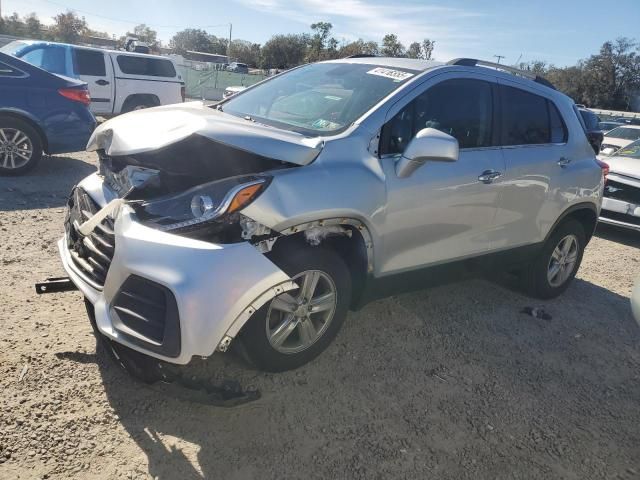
232 90
619 137
118 81
621 202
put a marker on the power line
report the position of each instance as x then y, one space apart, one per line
132 22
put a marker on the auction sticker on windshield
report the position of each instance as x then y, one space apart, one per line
396 75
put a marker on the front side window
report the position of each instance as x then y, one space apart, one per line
462 108
154 67
321 98
89 62
50 58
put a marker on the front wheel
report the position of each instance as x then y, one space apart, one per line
296 326
553 269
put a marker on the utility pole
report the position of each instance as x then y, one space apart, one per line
229 46
499 57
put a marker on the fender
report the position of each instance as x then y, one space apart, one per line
570 210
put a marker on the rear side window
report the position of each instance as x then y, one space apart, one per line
154 67
525 118
462 108
50 58
89 62
9 71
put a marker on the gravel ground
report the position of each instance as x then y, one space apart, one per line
451 382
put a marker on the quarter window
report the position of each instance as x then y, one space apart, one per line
462 108
529 119
89 62
154 67
8 71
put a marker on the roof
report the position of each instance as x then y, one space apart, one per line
121 52
392 62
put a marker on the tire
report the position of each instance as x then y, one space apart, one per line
17 140
536 278
330 274
132 104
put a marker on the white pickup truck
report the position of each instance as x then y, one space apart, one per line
118 81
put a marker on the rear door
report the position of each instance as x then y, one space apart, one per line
533 140
94 67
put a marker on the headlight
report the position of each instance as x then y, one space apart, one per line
202 204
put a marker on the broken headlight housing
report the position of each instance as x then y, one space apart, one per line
201 205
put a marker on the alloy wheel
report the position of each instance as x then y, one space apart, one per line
563 261
295 321
16 148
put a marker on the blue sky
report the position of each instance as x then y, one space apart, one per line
559 31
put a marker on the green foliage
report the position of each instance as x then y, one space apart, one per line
359 47
68 27
284 51
391 46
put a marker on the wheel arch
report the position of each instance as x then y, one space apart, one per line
586 213
26 117
138 98
355 247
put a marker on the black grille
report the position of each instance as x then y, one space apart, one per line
622 191
147 314
92 254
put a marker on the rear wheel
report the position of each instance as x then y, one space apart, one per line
552 271
296 326
20 147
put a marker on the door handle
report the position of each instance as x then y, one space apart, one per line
564 161
488 176
102 82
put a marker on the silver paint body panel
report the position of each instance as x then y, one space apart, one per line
441 213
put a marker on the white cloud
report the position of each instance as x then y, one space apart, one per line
353 19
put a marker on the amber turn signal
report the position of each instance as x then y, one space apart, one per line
243 197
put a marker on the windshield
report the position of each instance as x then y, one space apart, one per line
13 47
625 133
319 98
632 150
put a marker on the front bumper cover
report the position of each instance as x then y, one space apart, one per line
216 287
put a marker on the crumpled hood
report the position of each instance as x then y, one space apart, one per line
627 166
154 128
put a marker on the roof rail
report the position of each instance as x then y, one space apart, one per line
472 62
361 55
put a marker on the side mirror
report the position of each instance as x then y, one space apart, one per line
428 145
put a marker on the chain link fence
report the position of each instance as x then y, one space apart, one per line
208 80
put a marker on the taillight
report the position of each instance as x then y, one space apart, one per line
604 167
76 94
183 92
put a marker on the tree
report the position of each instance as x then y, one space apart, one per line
414 50
32 26
245 52
192 39
391 46
12 25
68 27
284 51
359 47
219 45
427 48
321 45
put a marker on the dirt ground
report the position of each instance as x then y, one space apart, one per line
450 383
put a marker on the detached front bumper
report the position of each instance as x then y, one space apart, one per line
169 296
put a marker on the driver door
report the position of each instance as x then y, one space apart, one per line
443 211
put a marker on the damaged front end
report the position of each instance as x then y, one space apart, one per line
156 239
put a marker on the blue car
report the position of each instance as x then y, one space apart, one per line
39 112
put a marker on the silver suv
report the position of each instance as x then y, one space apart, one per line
265 218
